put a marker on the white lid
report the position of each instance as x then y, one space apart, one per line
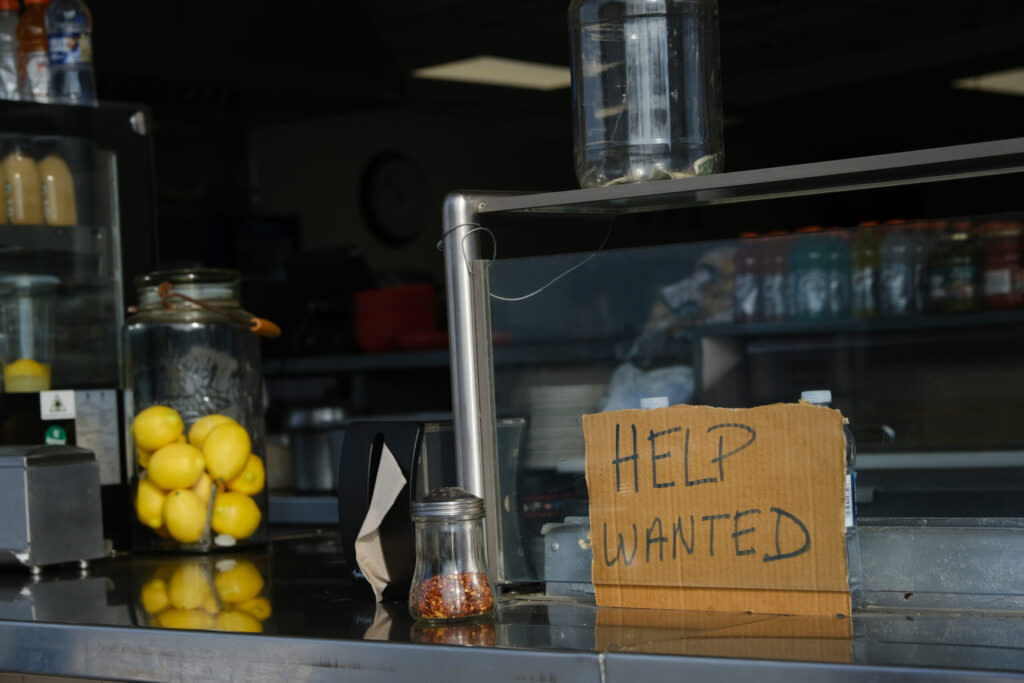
819 397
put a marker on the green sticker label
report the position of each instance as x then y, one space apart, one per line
56 436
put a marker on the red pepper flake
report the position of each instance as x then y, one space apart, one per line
454 596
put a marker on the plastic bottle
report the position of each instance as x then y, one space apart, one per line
823 397
773 276
58 190
69 27
896 293
838 275
21 182
866 255
808 275
747 304
8 50
33 58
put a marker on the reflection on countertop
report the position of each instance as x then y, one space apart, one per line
303 588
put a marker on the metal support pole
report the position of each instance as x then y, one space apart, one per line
472 368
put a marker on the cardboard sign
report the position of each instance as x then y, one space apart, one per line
717 509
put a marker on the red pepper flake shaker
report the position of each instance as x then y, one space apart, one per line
450 578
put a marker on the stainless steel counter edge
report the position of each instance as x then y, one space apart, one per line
133 654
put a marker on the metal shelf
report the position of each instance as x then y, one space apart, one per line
77 239
996 157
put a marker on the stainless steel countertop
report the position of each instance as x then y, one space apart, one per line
325 627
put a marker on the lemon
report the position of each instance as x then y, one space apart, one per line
157 426
26 375
154 596
203 488
235 514
226 448
143 456
185 515
199 431
259 607
210 604
252 478
188 587
184 618
240 583
238 621
149 503
178 466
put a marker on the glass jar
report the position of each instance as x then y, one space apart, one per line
450 577
195 401
646 86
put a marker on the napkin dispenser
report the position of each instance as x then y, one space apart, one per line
50 506
360 459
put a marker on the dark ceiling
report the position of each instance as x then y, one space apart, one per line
802 79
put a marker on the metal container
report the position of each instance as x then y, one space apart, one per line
316 436
50 506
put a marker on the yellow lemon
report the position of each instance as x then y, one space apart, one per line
240 583
149 503
210 604
188 587
157 426
259 607
252 478
178 466
201 428
26 375
184 618
143 456
154 596
235 514
203 488
185 516
226 448
238 621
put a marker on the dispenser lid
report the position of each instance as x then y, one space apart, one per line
448 503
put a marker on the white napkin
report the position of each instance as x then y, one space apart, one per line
369 553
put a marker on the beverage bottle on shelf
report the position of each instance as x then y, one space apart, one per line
920 245
69 27
21 183
964 279
1003 268
866 261
823 397
8 50
747 290
58 189
33 58
773 276
896 293
838 274
808 275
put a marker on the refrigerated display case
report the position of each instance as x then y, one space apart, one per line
78 225
637 282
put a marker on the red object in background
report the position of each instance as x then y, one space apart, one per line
384 316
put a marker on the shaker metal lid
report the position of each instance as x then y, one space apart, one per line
450 503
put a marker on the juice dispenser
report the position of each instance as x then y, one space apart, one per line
27 304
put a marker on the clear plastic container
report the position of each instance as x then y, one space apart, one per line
22 185
450 578
27 304
193 372
33 53
69 31
646 82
